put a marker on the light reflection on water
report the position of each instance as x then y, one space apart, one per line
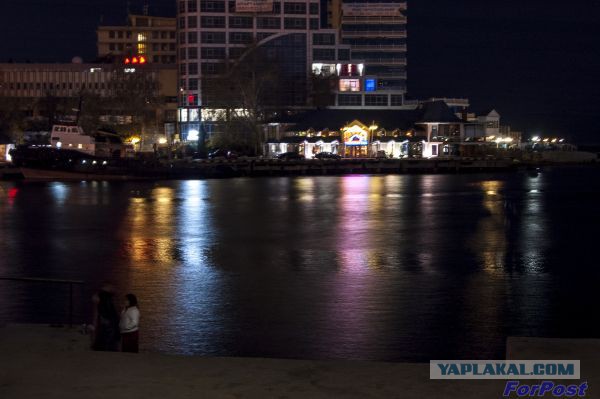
366 267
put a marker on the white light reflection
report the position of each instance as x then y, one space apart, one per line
533 228
60 192
196 285
194 222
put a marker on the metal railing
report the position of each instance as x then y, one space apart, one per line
70 283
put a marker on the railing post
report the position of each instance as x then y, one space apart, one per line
51 281
70 305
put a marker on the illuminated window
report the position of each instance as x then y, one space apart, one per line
141 45
183 115
349 85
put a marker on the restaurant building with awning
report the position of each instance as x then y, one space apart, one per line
430 130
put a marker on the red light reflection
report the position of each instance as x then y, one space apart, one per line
12 194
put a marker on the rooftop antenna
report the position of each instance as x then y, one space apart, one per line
146 6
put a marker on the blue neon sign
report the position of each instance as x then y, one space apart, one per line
369 84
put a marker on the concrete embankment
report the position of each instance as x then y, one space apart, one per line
44 362
351 166
373 166
269 167
272 167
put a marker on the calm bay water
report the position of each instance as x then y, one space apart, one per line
354 267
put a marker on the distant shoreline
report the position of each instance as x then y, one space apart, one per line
209 169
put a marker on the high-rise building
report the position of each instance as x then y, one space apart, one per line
152 37
360 46
215 36
376 32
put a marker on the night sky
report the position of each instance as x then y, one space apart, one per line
536 62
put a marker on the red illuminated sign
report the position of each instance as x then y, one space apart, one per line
135 60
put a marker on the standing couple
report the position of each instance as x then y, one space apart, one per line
112 329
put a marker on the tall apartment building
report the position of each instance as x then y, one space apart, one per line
152 37
376 32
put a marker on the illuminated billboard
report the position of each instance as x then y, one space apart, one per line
349 84
356 136
254 6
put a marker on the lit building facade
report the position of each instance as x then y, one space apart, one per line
437 127
149 36
429 130
215 35
33 84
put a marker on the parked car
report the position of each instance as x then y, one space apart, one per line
290 156
381 155
327 155
222 154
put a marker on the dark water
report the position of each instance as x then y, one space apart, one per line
360 267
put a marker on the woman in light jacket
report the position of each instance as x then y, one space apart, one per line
129 325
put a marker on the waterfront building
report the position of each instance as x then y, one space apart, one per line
482 126
431 128
154 38
35 87
428 130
